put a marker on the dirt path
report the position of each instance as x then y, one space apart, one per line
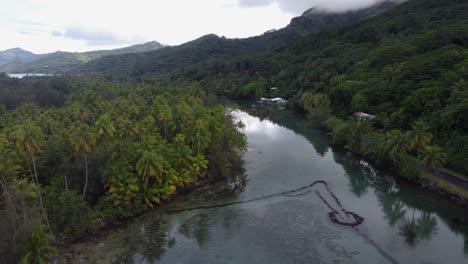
452 179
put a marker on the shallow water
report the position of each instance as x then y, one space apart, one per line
403 224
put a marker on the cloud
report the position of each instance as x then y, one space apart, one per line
255 3
299 6
94 37
31 31
56 33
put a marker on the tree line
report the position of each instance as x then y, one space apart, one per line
373 139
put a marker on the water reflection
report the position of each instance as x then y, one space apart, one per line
395 200
415 230
392 207
408 229
289 120
427 226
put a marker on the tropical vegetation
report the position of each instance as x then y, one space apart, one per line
106 152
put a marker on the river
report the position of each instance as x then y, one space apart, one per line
402 223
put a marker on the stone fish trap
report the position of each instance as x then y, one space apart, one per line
352 219
340 217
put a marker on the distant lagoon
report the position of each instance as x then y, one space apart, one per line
22 75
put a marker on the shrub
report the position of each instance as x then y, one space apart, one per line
410 171
68 213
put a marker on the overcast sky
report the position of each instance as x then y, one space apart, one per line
50 25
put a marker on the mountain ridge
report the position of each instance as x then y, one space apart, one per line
17 54
211 46
61 61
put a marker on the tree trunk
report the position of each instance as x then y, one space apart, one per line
198 143
165 131
419 158
4 185
39 194
29 167
66 183
85 157
11 205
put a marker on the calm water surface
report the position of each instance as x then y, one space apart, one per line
22 75
407 225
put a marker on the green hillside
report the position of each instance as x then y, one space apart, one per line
17 55
60 62
212 47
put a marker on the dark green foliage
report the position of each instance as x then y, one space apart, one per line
67 211
409 171
105 210
37 249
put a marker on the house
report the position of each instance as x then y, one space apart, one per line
362 115
277 100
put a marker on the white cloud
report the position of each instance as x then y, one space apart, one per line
299 6
90 24
95 37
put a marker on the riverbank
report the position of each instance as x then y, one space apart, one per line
455 190
284 153
368 138
426 180
432 182
105 228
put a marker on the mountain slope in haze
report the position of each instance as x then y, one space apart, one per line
211 47
17 55
59 61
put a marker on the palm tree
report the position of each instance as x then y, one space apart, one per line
322 102
123 183
38 249
200 122
180 118
165 114
359 130
80 113
460 85
105 129
150 165
30 138
25 191
200 164
397 146
433 158
126 127
307 101
8 169
82 140
419 137
181 156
